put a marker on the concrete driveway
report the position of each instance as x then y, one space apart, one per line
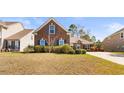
116 58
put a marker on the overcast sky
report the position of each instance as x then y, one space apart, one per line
98 26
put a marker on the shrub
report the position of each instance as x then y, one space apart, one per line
39 49
57 49
43 49
29 49
83 51
47 49
80 51
72 52
67 49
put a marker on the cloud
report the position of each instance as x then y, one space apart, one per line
114 27
31 22
26 22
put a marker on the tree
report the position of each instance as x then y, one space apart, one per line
86 37
93 39
82 31
98 44
73 29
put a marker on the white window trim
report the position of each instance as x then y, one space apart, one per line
49 29
42 40
120 35
62 41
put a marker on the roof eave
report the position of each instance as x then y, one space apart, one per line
45 23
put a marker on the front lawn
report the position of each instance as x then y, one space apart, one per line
45 63
118 52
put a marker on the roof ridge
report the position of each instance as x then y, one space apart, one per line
47 21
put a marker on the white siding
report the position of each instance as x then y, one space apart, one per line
11 29
0 42
26 40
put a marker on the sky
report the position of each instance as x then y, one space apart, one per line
100 27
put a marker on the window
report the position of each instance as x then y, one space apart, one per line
122 35
52 29
42 42
61 42
87 46
77 46
16 44
9 44
122 46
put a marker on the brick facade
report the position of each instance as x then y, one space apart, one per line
60 33
43 33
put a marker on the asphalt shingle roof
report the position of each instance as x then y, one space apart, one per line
19 35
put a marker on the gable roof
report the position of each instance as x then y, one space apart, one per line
122 29
8 23
45 23
19 35
76 39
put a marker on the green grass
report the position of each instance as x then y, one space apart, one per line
56 64
118 52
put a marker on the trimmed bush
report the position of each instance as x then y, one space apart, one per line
72 52
29 49
56 49
67 49
39 49
83 51
80 51
47 49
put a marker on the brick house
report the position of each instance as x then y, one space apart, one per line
52 33
114 42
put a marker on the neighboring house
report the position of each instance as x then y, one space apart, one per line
114 42
52 33
80 43
14 37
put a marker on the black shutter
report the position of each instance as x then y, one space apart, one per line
38 42
46 43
